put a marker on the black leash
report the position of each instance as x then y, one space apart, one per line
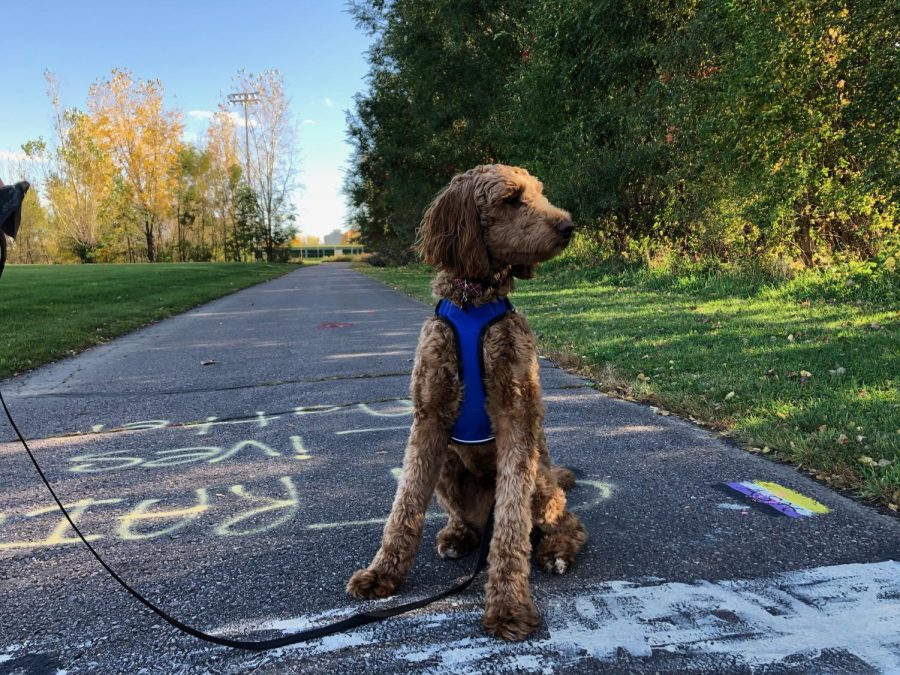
354 621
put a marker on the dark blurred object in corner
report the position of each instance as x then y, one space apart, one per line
11 197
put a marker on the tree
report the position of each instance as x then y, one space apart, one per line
143 139
224 173
249 225
78 177
273 155
350 237
193 208
435 70
793 113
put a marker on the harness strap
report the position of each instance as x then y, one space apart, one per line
353 621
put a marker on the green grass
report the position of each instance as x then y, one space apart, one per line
51 311
786 368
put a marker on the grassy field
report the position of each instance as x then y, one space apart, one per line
51 311
798 370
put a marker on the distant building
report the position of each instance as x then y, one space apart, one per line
334 237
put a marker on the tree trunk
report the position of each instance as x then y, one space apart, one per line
804 240
148 232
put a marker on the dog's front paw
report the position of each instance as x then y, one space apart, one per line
511 622
367 584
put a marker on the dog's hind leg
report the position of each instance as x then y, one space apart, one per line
561 532
435 394
467 499
564 477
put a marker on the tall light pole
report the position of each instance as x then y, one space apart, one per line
245 98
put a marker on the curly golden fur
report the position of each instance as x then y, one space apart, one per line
491 223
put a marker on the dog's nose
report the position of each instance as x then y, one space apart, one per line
565 227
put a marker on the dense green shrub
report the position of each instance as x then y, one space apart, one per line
754 133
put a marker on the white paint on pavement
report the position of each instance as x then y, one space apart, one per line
801 616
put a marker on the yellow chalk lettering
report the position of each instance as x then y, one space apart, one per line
312 409
237 447
604 491
299 450
401 408
204 428
93 463
146 424
287 507
58 536
182 456
142 512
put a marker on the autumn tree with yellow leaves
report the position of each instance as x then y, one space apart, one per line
131 125
224 173
119 183
78 177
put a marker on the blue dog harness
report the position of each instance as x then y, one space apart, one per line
469 325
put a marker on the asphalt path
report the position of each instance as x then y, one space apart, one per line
236 464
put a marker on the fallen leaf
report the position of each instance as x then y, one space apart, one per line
865 459
208 362
791 337
884 462
643 378
823 427
840 370
730 395
766 450
842 439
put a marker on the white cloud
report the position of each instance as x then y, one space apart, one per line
328 102
236 117
308 122
15 157
12 156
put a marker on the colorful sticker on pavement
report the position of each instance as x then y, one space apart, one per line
784 500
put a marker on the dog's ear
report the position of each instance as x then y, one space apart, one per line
450 236
523 271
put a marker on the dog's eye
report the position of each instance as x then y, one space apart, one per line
514 199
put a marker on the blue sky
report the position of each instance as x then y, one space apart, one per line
194 47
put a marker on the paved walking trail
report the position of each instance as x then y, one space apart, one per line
235 464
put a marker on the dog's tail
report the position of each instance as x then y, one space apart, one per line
565 478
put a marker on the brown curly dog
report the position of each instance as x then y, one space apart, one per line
488 225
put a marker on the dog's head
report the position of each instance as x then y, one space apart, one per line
490 218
